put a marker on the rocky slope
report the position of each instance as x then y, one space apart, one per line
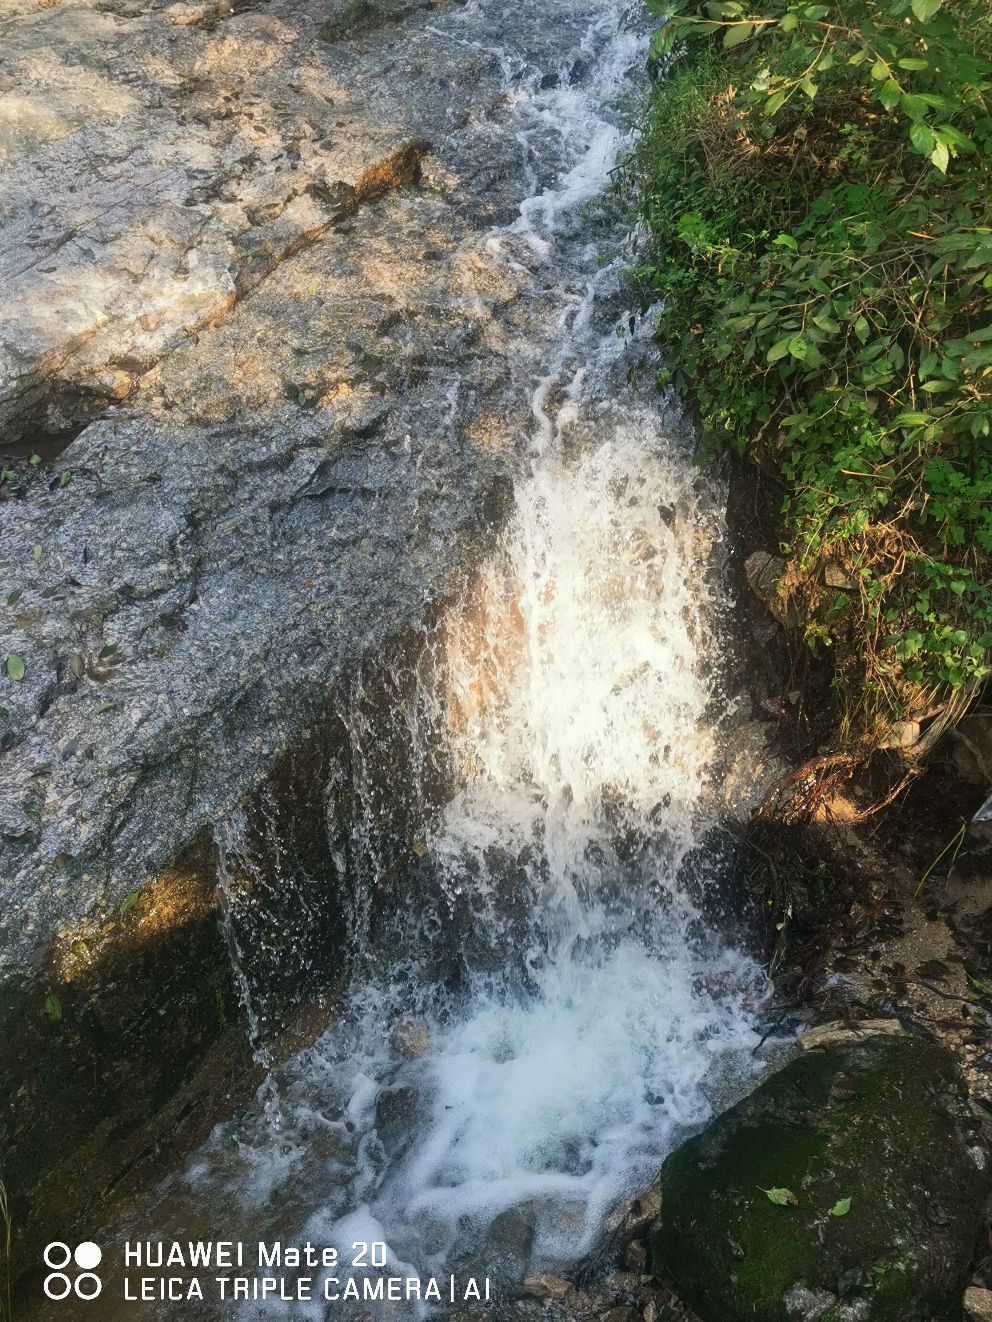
256 396
250 251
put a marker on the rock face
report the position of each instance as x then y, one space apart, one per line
885 1124
230 240
267 358
258 259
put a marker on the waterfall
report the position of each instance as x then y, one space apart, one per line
538 1011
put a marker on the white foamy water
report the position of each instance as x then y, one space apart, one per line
593 1024
580 1019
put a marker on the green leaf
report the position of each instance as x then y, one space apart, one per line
738 33
889 94
36 552
799 348
53 1007
789 22
16 668
775 103
940 157
14 597
841 1207
879 71
780 1197
128 903
938 102
954 138
925 9
778 350
913 64
922 138
914 107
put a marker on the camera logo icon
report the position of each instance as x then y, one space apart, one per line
86 1257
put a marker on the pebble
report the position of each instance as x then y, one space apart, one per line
635 1215
410 1038
977 1304
547 1287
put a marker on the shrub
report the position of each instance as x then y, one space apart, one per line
814 188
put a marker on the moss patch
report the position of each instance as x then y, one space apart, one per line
885 1123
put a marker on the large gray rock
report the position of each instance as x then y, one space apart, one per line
257 257
246 278
849 1186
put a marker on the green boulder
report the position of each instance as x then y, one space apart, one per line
850 1187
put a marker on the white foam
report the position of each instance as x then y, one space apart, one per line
568 1099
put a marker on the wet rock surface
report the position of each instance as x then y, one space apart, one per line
259 255
755 1219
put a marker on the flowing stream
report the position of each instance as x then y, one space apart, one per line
562 1011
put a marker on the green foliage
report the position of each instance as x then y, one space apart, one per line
914 57
815 191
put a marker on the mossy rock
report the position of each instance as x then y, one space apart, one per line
886 1123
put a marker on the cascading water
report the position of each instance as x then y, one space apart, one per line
564 1018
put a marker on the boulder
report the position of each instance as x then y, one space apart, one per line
849 1185
410 1038
764 573
260 381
